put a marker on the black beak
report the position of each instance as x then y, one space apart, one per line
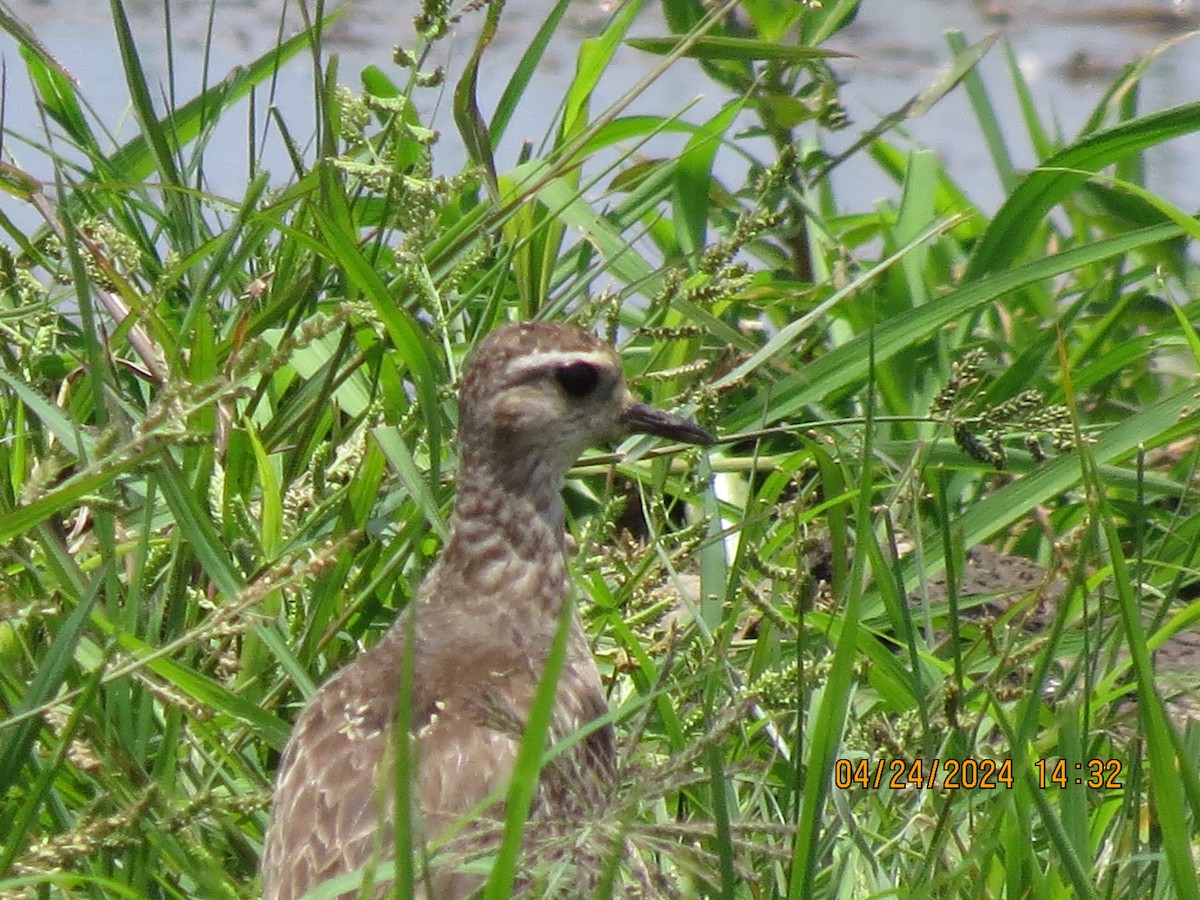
642 419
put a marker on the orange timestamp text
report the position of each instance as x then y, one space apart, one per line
972 774
905 774
1104 774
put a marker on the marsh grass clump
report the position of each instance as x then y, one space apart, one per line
226 458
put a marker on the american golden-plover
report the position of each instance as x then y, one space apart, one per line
534 397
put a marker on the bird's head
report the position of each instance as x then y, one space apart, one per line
546 392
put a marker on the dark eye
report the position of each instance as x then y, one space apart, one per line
578 379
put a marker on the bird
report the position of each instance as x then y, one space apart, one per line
471 646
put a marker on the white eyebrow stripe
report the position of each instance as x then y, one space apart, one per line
553 358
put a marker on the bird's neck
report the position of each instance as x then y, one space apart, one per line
506 546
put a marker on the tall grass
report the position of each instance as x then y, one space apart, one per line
228 456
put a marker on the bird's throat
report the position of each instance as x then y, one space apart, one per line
506 547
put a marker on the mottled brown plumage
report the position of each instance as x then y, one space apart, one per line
534 397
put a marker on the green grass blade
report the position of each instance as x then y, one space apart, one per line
985 115
528 765
846 365
19 731
524 72
1024 211
716 47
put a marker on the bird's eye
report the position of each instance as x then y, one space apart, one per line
578 379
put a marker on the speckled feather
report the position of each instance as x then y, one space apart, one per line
478 630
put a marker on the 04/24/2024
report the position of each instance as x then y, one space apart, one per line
972 774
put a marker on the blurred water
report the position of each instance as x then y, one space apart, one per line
1068 51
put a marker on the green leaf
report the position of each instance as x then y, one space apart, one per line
595 54
466 106
56 91
733 48
524 71
1056 178
846 365
694 177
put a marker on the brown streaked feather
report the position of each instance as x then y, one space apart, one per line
338 797
332 804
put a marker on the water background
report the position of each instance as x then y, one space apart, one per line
1068 51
